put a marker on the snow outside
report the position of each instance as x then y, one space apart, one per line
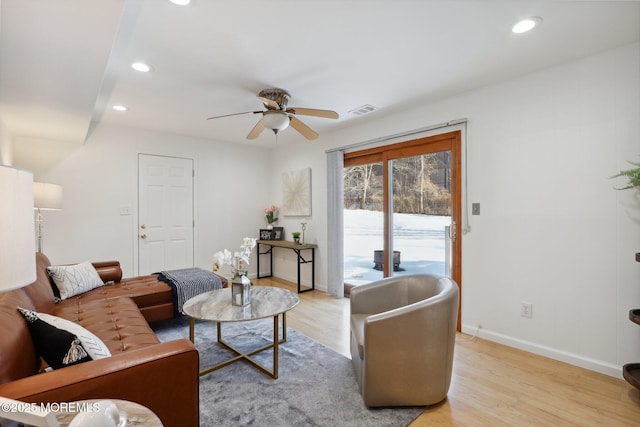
419 238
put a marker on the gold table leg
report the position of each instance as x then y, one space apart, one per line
247 356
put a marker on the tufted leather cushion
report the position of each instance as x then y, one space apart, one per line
145 291
153 298
117 322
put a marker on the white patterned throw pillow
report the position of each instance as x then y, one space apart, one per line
74 279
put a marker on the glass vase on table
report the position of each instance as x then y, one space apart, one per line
240 283
241 290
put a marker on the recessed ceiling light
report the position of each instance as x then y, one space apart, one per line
526 25
141 66
180 2
119 108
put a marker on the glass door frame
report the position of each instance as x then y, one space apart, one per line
450 141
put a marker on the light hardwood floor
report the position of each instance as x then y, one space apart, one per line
492 385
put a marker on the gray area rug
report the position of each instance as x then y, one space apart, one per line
316 385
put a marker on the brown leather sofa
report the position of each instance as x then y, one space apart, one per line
161 376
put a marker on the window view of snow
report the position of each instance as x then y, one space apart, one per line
421 200
420 239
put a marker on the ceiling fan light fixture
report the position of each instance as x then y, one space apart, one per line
275 120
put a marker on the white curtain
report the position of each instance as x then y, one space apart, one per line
335 222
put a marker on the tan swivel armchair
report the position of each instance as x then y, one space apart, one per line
403 332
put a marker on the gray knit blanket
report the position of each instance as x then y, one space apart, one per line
186 283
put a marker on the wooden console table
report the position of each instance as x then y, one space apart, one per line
298 249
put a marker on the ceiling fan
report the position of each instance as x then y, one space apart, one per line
278 117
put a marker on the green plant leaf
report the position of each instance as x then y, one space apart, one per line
632 174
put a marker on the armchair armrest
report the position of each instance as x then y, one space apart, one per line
163 377
402 327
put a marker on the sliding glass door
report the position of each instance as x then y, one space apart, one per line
401 209
421 206
363 223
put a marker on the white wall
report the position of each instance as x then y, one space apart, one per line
553 231
101 175
292 157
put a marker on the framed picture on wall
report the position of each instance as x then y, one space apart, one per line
296 193
278 233
265 234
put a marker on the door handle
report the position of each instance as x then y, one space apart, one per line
143 236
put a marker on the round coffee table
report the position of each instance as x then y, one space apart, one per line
266 301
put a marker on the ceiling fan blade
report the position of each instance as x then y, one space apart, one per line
256 131
327 114
305 130
234 114
269 103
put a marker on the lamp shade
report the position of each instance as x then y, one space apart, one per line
275 120
47 196
17 231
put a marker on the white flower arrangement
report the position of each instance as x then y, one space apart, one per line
235 259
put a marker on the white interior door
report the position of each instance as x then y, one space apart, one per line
165 213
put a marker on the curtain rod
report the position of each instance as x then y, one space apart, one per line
399 135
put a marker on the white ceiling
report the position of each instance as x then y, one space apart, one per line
64 63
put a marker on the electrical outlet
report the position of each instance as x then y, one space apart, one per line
526 310
125 210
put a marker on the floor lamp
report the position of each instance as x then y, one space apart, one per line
18 264
45 197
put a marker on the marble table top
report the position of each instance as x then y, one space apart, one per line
266 301
131 413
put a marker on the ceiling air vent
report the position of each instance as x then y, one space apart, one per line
365 109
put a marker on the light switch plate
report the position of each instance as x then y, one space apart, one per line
475 209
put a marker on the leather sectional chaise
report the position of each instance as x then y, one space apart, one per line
161 376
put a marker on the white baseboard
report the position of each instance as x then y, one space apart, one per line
552 353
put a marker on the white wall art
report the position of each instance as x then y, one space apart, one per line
296 192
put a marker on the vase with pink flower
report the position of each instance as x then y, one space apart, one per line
271 215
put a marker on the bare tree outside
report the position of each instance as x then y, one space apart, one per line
363 187
421 185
